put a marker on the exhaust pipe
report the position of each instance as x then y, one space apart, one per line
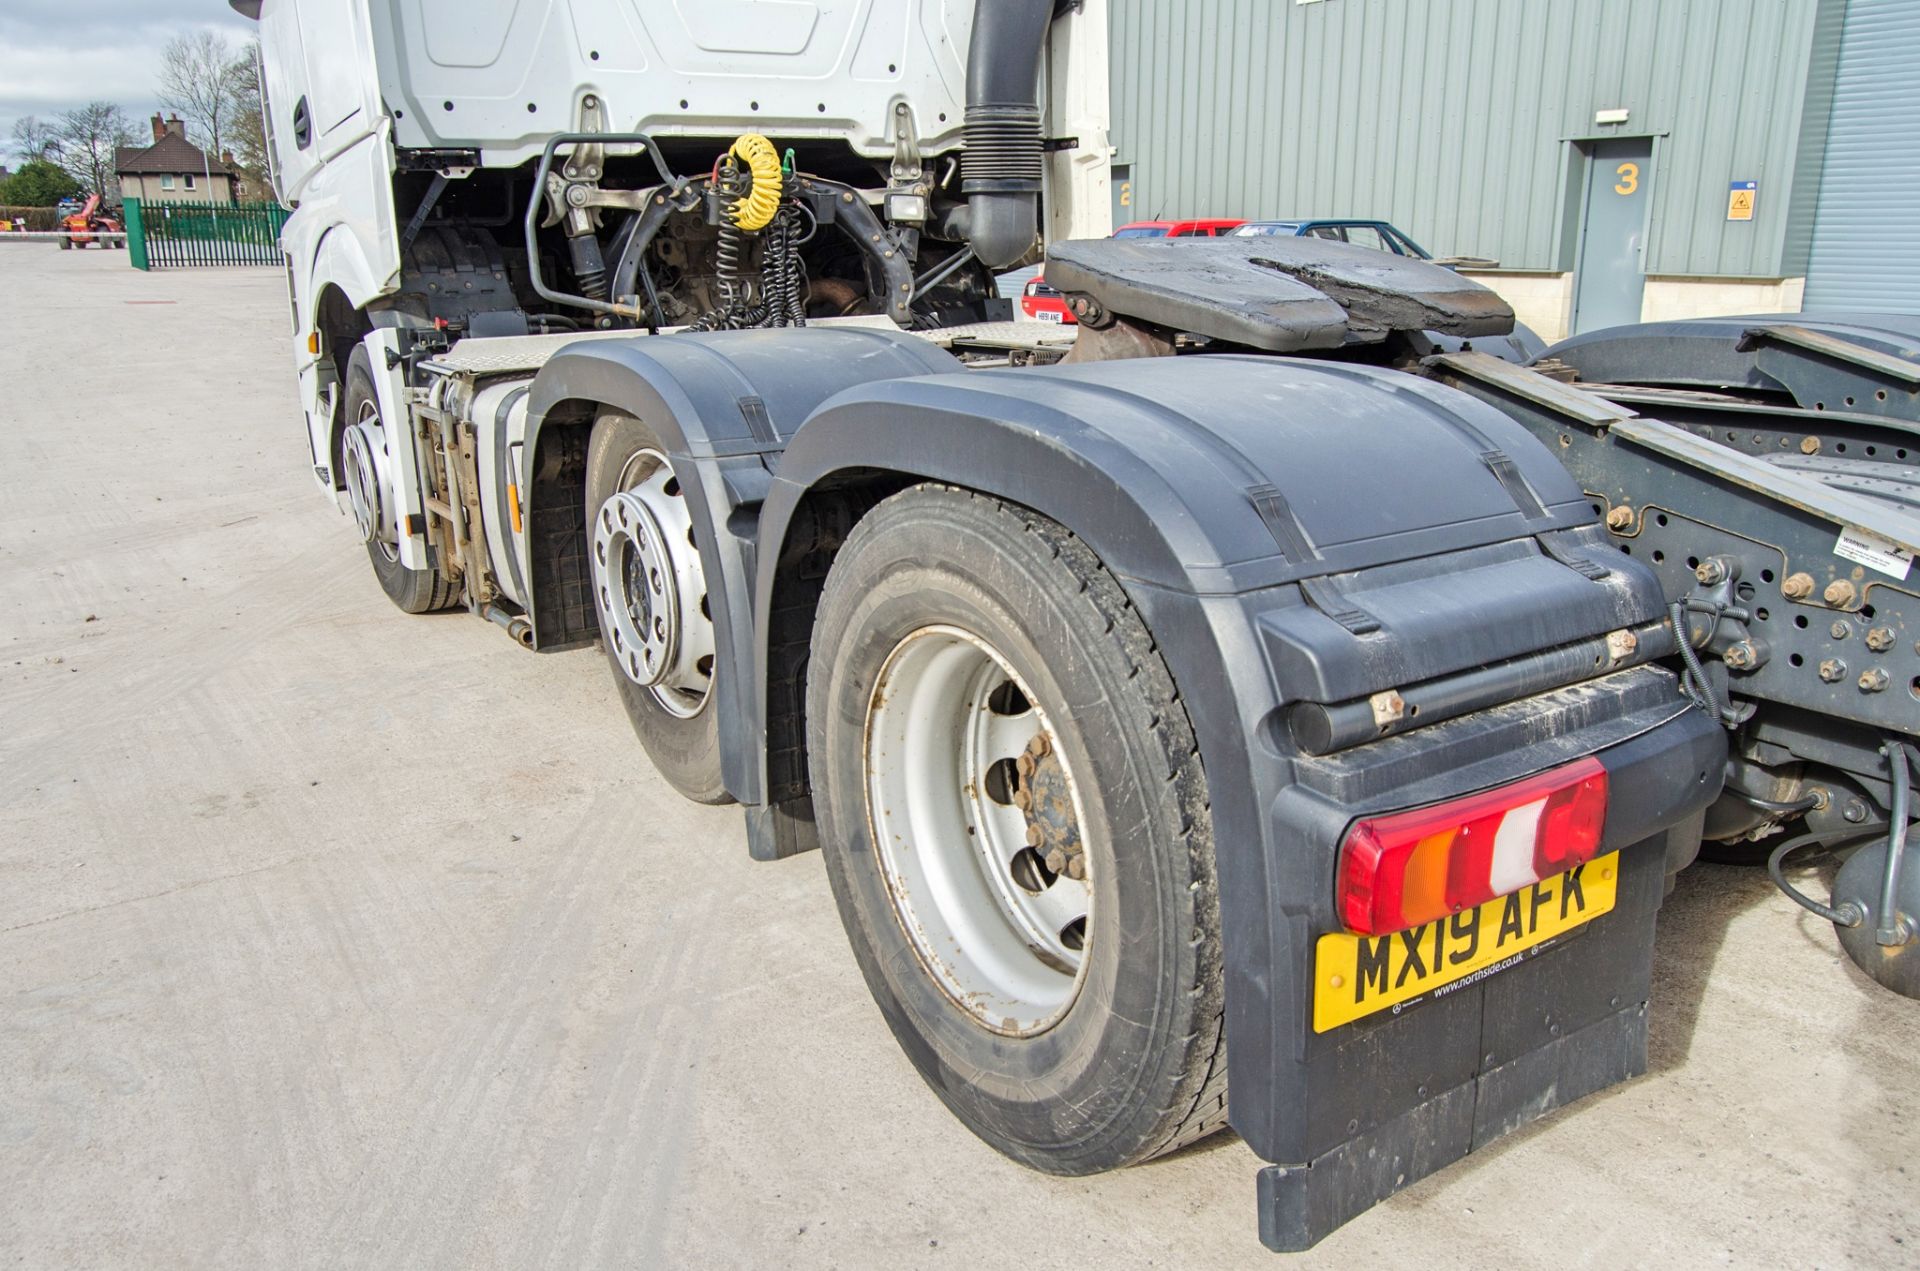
1001 167
515 624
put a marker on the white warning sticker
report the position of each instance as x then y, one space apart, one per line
1874 552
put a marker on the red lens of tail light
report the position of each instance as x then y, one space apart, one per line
1409 868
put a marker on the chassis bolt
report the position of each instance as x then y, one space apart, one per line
1741 656
1710 571
1797 586
1833 670
1855 811
1619 517
1880 639
1839 630
1809 445
1873 681
1839 593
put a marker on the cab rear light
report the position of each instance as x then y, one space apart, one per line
1409 868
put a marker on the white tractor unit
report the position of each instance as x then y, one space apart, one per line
1284 672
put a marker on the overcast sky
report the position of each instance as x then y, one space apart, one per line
57 54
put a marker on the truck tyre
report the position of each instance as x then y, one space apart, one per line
413 590
1015 820
650 593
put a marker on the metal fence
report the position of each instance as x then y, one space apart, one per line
174 235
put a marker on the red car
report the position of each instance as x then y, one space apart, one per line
1043 304
1210 227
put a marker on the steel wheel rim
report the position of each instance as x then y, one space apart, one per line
651 589
363 473
1004 935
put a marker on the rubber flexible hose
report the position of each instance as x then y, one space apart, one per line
753 210
1848 914
1888 930
1807 804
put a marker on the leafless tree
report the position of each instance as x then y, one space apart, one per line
87 137
197 79
34 138
249 139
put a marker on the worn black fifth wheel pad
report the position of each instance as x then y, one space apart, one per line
1282 295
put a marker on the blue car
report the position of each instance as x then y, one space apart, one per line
1378 235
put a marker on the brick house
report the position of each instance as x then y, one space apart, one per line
175 170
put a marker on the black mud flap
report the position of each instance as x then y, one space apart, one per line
1549 1030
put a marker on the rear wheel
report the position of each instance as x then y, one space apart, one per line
1015 822
650 591
365 472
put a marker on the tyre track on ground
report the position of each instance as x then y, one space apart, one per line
613 1208
402 1209
296 590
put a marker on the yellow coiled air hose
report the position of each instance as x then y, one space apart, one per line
754 209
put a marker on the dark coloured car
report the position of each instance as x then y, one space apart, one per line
1378 235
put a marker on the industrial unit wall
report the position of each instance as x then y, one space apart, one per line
1477 126
1865 253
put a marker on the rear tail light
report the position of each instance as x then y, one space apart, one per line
1410 868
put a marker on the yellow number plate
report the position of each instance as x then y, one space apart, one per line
1354 976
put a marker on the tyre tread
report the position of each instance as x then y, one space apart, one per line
1199 1106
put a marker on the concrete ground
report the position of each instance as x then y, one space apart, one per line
334 937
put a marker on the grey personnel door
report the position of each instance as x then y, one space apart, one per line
1608 278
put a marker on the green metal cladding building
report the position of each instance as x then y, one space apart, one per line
1621 159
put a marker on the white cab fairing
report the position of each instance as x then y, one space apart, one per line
501 76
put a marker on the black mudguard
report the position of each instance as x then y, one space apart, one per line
723 404
1298 532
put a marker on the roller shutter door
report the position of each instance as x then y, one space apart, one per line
1866 229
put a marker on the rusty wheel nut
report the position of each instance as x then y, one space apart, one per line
1833 670
1839 593
1057 861
1873 681
1797 586
1077 868
1619 517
